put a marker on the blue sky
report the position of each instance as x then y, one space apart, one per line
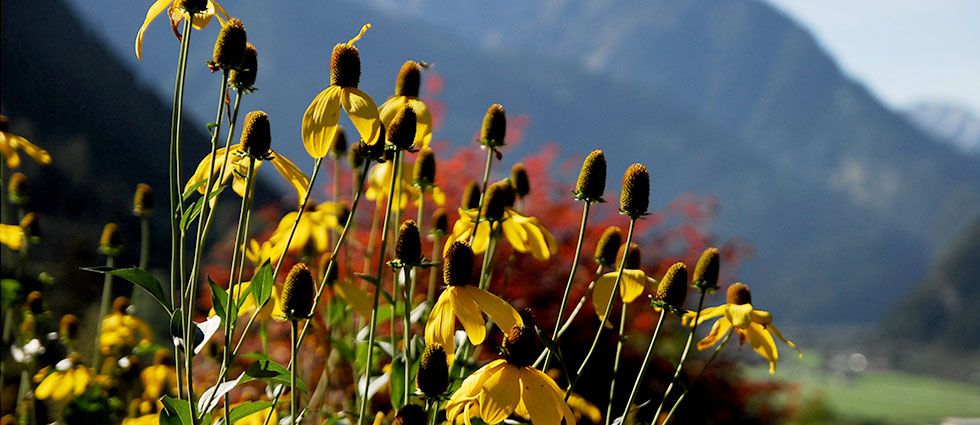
905 51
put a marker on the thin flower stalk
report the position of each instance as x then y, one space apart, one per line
677 403
406 336
680 364
483 193
571 278
619 353
176 201
293 351
605 317
643 369
571 317
144 244
103 310
430 295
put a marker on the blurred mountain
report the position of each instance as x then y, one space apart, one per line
728 98
949 123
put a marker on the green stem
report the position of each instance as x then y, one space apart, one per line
643 367
680 365
483 194
703 368
406 335
571 278
144 244
176 202
605 317
619 353
293 351
430 294
103 311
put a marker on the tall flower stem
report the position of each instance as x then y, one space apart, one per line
571 317
483 193
619 353
176 202
293 352
724 342
103 311
680 364
144 244
605 317
571 278
430 294
406 336
361 418
643 369
375 218
336 192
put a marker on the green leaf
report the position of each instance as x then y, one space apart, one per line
191 213
247 408
219 299
398 382
141 278
8 292
367 278
344 348
262 284
190 189
175 411
270 371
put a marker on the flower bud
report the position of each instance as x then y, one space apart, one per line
339 143
68 327
672 289
433 373
440 221
592 179
297 293
408 246
401 130
635 198
35 303
143 201
520 345
518 177
411 414
607 248
458 264
30 225
494 126
409 79
257 135
495 202
739 294
229 48
345 66
17 189
111 241
471 196
632 256
120 304
708 268
243 77
424 172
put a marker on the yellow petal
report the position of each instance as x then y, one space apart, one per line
221 11
469 315
542 242
358 298
320 122
536 397
706 314
500 395
470 389
292 174
772 328
438 195
363 113
66 384
740 315
82 378
202 19
390 107
238 184
151 14
632 284
11 236
516 235
201 173
482 239
38 154
762 343
423 130
48 385
502 313
602 293
720 328
442 324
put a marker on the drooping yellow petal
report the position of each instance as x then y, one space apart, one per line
47 386
66 383
536 397
222 14
602 293
717 330
358 298
39 155
292 174
202 19
482 239
359 34
502 313
320 122
706 314
772 328
442 324
438 195
8 149
762 343
516 234
558 396
82 378
740 315
363 113
542 242
470 389
201 173
151 14
241 166
11 236
423 130
500 395
632 285
469 315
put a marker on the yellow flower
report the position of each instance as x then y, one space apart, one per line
631 286
151 419
380 176
751 325
119 330
159 379
248 306
320 119
311 231
9 143
69 378
12 236
407 94
257 418
239 163
525 233
200 21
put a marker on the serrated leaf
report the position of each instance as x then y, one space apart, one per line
262 284
140 278
270 371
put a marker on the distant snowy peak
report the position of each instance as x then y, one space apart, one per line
948 123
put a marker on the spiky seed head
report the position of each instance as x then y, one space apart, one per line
520 345
440 220
192 6
632 256
409 79
356 156
509 191
494 126
244 75
401 130
708 267
143 201
339 147
739 294
30 225
120 304
345 66
68 327
636 191
229 49
608 247
376 152
495 202
408 246
672 289
458 264
518 176
297 293
17 189
592 179
433 374
35 303
163 357
424 171
257 134
111 241
471 196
